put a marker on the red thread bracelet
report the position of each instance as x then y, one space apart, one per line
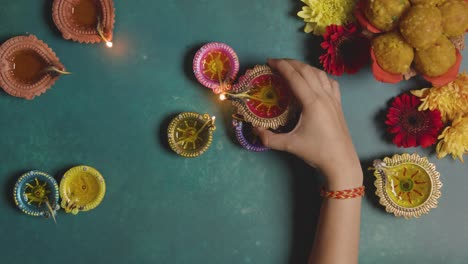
344 194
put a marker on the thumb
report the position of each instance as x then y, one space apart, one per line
272 140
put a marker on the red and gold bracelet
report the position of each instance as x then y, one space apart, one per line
344 194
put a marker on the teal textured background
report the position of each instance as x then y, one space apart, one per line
227 206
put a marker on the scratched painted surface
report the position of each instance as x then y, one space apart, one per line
227 206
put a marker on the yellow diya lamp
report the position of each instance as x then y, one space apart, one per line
28 67
190 134
85 21
407 185
82 188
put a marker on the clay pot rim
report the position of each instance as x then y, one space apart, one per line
84 36
9 83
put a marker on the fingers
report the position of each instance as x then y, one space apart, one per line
272 140
317 79
298 85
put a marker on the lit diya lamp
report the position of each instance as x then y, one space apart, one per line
408 185
261 98
246 136
88 21
215 66
28 67
36 193
190 134
82 188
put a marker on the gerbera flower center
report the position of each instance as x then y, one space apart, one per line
414 121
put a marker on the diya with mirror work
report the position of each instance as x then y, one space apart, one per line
28 67
36 193
408 185
190 134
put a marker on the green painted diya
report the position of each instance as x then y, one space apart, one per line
407 185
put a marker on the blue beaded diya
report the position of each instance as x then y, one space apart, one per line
36 193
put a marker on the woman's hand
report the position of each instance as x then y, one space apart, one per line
321 137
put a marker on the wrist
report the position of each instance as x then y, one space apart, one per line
343 176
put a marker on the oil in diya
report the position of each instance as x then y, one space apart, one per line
28 67
85 21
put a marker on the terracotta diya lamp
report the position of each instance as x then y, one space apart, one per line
85 21
261 98
245 135
82 188
36 193
215 66
190 134
28 67
407 185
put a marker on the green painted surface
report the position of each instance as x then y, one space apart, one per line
227 206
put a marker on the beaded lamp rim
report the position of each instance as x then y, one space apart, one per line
414 159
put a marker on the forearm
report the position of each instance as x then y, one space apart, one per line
337 235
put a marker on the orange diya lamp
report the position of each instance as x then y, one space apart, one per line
28 67
85 21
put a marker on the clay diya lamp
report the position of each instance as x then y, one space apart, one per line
215 66
28 67
36 193
82 188
407 185
261 98
245 135
85 21
190 134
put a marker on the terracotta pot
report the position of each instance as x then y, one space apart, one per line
29 78
78 19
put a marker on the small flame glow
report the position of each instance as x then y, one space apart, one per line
222 97
213 119
109 44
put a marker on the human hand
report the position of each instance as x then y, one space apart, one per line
321 137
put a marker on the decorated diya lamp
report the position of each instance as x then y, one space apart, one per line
215 66
82 188
85 21
245 135
28 67
407 185
261 98
36 193
190 134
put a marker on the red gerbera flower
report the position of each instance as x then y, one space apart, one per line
347 49
410 126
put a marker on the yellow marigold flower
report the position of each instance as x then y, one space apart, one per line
318 14
451 100
454 139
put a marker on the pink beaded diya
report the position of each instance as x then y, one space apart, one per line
216 66
88 21
28 67
262 98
